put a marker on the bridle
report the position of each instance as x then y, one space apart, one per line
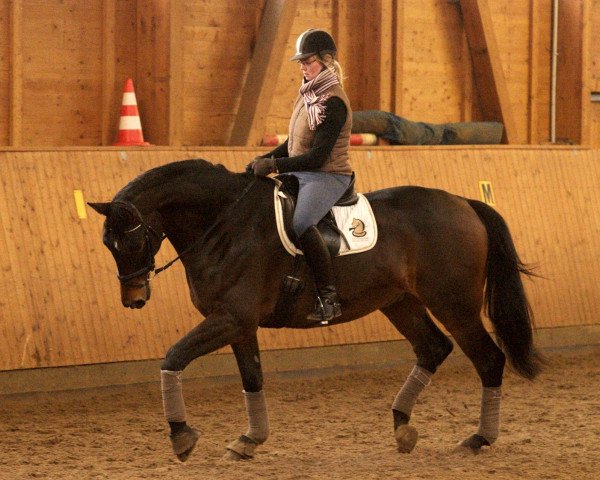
150 265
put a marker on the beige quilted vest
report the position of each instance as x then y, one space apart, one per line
300 136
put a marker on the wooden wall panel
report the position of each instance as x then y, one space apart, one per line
540 25
594 63
570 76
59 298
595 125
424 74
511 21
4 71
310 14
217 46
594 77
433 73
62 65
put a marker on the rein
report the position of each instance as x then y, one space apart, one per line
222 215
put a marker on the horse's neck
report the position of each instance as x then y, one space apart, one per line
216 220
210 192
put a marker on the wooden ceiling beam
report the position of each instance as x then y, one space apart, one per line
259 87
487 67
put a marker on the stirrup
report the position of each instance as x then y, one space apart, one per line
325 311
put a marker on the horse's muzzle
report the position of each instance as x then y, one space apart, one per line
136 293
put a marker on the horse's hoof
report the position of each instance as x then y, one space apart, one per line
184 442
241 449
234 456
473 444
406 438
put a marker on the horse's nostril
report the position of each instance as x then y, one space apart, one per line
138 304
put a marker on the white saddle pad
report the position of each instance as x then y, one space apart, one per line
357 223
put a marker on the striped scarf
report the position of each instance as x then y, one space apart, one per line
314 99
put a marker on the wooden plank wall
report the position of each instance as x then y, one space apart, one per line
594 63
62 72
407 56
5 73
59 298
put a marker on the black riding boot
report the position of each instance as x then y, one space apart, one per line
318 259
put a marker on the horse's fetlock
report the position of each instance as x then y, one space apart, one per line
260 438
400 418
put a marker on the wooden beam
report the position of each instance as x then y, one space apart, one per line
398 56
466 103
152 70
176 84
339 30
534 48
259 87
571 106
586 89
386 49
378 41
487 67
15 111
109 114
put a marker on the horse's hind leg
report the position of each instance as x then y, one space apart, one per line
431 347
247 356
469 333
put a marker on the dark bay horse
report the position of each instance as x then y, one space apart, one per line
436 252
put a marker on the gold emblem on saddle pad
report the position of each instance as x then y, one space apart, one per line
358 228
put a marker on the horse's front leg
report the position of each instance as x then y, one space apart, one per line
248 359
219 329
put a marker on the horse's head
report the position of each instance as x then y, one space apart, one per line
133 242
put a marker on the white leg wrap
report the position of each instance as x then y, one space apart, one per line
418 379
172 396
489 420
258 420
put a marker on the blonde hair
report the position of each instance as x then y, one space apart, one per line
333 65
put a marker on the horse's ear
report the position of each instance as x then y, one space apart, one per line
102 208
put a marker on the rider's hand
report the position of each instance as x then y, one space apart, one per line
250 166
263 166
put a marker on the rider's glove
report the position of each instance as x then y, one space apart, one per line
263 166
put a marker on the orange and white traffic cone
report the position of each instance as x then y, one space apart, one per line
130 127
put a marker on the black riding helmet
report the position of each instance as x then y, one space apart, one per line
314 42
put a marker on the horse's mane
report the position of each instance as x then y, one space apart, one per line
195 172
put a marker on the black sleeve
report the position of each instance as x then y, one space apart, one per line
279 151
326 134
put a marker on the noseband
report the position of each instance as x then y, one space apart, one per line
149 267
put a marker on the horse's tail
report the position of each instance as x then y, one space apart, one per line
506 303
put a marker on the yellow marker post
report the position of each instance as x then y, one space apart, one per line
80 204
487 194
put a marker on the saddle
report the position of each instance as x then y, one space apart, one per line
350 221
331 233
